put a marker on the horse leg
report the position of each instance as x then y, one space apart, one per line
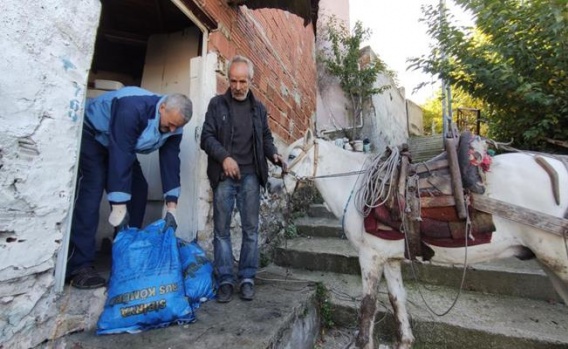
559 285
371 271
397 297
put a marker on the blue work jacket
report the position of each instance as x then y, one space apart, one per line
127 122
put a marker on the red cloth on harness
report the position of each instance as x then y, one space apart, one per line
437 232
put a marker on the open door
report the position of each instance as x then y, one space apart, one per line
158 45
167 69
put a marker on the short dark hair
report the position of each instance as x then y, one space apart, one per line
178 101
242 59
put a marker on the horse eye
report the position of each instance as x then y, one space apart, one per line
291 157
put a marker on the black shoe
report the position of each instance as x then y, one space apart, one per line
225 293
247 291
86 278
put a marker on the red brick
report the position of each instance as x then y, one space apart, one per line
281 50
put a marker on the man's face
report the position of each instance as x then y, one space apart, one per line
239 81
170 119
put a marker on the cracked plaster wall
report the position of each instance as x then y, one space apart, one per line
46 48
384 120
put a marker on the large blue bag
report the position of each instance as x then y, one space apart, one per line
198 278
146 287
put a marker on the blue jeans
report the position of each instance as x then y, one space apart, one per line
91 183
246 192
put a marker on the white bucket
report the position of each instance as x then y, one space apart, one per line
358 145
339 142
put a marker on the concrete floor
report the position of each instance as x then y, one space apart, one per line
282 315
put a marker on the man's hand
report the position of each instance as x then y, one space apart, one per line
231 168
170 216
280 161
118 216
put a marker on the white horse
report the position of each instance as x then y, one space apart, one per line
514 178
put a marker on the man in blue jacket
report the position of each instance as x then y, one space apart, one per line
117 126
238 142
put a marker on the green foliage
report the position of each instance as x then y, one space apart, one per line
514 60
432 115
341 58
432 109
324 306
291 231
265 259
301 200
297 206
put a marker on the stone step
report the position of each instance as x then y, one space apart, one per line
320 211
421 145
422 139
425 148
476 321
321 226
506 277
278 317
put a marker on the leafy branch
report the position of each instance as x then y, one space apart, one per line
341 58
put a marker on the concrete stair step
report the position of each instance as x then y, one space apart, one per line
507 277
278 317
320 226
421 139
476 321
320 211
425 148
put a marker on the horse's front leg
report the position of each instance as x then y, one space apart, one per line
397 297
371 271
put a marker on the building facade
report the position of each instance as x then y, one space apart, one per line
55 54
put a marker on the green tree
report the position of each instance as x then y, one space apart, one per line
432 111
341 59
514 60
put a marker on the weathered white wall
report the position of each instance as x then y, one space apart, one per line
415 118
331 111
46 53
385 120
387 115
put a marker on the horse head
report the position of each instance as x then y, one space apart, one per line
301 160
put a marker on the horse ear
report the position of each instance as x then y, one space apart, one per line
308 136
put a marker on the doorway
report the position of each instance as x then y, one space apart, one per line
152 44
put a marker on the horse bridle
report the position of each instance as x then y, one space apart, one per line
305 148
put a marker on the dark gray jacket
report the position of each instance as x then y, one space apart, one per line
217 135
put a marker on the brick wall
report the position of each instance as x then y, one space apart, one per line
282 51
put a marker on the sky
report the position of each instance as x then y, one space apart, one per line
397 35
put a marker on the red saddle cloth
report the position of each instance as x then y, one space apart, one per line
440 226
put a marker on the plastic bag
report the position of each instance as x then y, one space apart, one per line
146 287
198 278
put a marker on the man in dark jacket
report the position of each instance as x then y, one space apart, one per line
238 142
117 126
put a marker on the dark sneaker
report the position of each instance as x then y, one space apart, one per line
225 294
247 291
86 278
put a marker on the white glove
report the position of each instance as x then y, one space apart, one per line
117 215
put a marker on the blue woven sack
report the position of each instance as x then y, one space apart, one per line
197 270
146 288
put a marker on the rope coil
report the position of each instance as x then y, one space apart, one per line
377 182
